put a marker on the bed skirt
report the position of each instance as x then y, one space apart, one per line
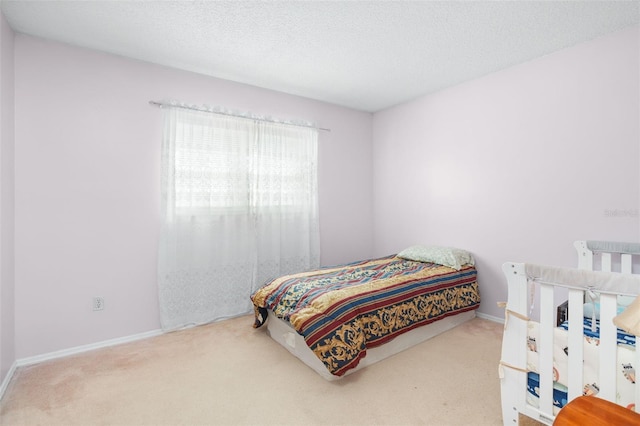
285 335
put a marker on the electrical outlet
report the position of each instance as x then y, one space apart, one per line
98 303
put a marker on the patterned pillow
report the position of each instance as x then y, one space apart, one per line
447 256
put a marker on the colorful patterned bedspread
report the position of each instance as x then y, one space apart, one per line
342 311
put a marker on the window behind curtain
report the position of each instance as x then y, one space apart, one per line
239 206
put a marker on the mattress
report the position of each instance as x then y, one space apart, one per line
343 312
625 371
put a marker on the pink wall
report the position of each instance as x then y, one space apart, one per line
87 186
513 166
7 316
518 164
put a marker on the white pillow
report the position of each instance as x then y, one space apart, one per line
447 256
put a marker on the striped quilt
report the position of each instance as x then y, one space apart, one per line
342 311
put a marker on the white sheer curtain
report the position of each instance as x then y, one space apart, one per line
239 206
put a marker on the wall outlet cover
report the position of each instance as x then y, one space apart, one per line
98 303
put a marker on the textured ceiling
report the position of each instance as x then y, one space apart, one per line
367 55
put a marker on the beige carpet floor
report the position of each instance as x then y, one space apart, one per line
228 373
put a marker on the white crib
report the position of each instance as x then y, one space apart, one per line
613 276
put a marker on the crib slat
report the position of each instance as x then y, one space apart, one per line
546 348
625 263
637 387
576 343
606 262
608 347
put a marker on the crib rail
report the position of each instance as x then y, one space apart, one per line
548 280
610 253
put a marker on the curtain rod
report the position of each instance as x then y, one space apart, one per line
165 105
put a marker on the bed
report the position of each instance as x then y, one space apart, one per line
340 319
544 366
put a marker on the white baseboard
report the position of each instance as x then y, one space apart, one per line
7 379
71 351
489 317
86 348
